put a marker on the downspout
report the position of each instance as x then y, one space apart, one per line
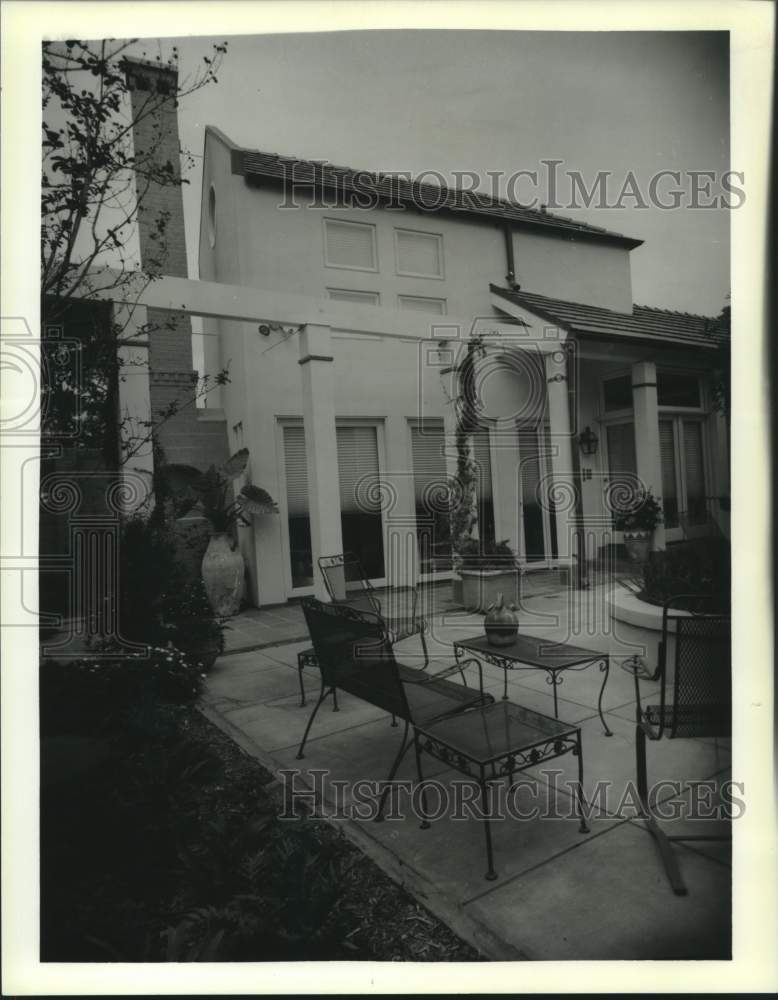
510 277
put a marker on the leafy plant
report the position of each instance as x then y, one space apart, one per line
160 600
642 511
487 554
211 491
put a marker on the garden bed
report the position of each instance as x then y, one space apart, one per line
160 842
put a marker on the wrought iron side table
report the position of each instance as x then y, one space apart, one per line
494 742
528 652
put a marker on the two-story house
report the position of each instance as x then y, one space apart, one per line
349 420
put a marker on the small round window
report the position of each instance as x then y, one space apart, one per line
212 216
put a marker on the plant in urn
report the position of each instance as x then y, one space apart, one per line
501 623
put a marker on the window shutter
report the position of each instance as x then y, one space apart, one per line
429 463
484 462
296 471
419 253
350 244
667 456
418 303
693 460
621 449
358 469
360 298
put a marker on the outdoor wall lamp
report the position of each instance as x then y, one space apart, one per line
588 441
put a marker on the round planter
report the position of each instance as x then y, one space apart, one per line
637 630
222 570
638 545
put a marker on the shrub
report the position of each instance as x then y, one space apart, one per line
93 695
162 600
487 554
692 568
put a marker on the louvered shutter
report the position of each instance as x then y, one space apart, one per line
358 469
350 244
669 485
419 253
296 471
621 449
484 461
694 470
429 463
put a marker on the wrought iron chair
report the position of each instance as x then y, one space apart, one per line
355 654
460 726
695 662
347 583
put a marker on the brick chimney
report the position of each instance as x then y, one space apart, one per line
185 437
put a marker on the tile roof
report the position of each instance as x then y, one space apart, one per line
643 323
320 174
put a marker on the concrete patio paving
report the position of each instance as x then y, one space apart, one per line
559 894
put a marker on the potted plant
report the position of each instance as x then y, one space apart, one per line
222 566
488 570
637 518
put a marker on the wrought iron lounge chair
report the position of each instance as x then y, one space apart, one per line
460 726
695 662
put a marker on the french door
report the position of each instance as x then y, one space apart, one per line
538 529
684 490
361 518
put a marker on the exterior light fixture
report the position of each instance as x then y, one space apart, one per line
588 441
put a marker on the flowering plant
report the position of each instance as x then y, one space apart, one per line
641 512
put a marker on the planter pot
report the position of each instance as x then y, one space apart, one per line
637 630
222 570
638 545
482 587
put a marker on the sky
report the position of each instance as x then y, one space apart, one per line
494 101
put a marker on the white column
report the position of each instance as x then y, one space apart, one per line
647 454
137 454
562 466
321 446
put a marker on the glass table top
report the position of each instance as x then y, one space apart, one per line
533 650
504 727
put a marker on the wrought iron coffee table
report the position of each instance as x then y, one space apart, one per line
528 652
495 742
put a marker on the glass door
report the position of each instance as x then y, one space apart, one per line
538 526
682 448
360 497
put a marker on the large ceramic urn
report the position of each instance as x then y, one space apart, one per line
222 570
501 624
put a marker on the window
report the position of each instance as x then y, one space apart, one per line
617 393
433 524
678 389
360 509
419 303
350 245
419 254
298 517
359 298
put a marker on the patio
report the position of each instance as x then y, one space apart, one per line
559 894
